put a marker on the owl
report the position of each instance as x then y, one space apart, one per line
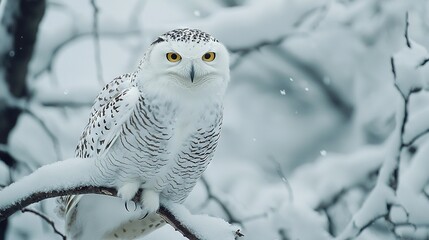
155 129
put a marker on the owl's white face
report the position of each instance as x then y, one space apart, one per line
186 66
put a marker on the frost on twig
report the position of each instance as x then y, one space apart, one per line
74 176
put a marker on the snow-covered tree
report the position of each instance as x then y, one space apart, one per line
325 123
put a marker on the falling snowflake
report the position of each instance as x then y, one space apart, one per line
66 92
323 153
197 13
291 79
306 89
283 92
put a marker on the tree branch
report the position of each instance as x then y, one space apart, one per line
75 176
21 20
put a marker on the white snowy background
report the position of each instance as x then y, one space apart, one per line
313 126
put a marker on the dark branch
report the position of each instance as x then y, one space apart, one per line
423 62
407 23
392 64
174 222
46 219
21 20
415 138
39 186
163 211
39 196
230 217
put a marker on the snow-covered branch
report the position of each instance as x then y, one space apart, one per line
74 176
399 195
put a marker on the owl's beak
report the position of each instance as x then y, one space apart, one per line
192 73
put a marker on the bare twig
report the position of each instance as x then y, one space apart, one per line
211 196
407 23
63 104
392 67
282 176
46 219
423 62
95 29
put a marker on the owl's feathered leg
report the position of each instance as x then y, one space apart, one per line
127 192
150 201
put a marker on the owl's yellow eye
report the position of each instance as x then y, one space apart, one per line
208 57
173 57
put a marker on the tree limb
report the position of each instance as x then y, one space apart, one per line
72 177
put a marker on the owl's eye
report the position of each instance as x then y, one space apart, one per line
208 57
173 57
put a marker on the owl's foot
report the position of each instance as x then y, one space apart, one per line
150 201
128 191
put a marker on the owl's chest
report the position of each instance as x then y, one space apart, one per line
159 133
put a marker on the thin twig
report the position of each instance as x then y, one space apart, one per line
230 217
423 62
407 23
46 219
97 50
392 67
283 177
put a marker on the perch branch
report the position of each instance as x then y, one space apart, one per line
72 177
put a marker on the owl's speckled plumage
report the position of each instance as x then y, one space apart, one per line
157 128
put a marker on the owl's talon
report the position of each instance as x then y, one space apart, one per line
126 206
147 213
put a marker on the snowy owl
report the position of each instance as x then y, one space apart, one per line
155 129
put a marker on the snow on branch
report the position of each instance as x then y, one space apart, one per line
399 195
74 176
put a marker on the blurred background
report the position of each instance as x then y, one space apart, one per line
309 107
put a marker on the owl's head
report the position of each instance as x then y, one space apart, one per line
186 61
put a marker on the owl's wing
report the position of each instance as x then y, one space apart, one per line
111 109
109 91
